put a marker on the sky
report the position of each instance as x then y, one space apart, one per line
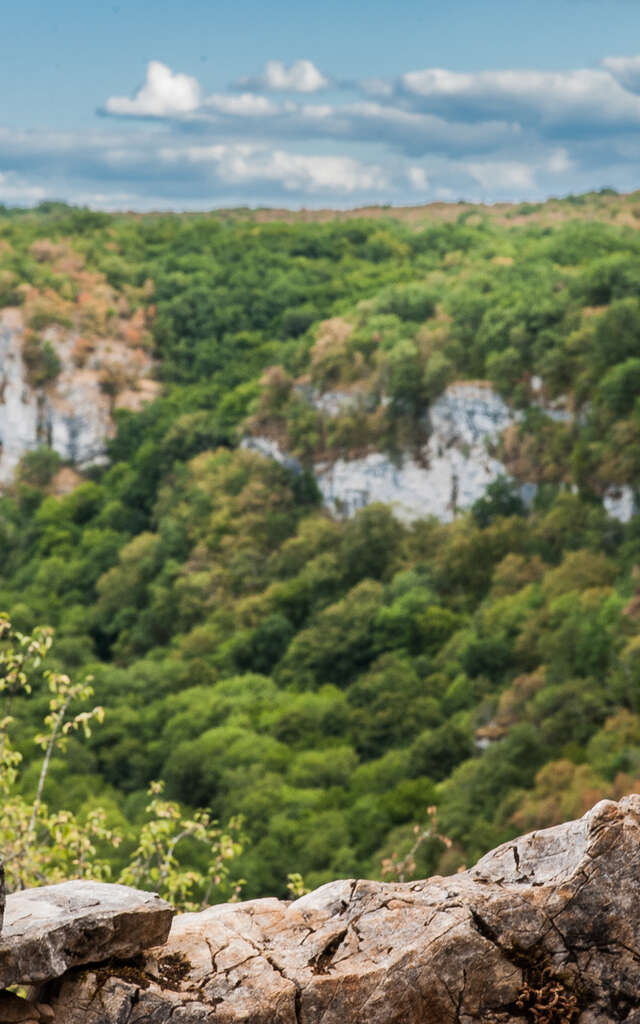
194 105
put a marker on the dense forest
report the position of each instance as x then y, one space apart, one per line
330 679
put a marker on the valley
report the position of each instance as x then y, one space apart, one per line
339 512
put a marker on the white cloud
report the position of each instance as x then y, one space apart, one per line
318 111
163 94
517 178
418 178
503 175
559 162
301 76
626 70
247 104
239 164
495 134
418 133
377 87
386 112
582 95
107 201
15 190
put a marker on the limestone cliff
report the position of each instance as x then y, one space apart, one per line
102 364
454 467
454 470
70 410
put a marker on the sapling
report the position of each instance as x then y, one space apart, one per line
39 846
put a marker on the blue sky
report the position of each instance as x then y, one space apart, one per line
193 105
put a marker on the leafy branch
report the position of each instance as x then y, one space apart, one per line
401 869
40 846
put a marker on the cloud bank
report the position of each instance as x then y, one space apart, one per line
295 135
543 100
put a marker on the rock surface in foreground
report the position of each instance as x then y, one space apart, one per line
48 930
544 929
2 894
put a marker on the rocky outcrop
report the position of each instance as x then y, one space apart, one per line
454 467
18 414
72 412
46 931
453 470
271 450
544 929
620 503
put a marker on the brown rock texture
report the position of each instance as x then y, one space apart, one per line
16 1010
55 927
544 929
2 894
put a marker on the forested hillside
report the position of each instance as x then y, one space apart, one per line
329 679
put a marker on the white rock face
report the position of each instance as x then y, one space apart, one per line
332 403
19 413
620 503
272 450
76 412
72 414
456 469
468 414
451 482
557 409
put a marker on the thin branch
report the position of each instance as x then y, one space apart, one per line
58 720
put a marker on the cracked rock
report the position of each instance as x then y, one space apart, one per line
543 929
48 930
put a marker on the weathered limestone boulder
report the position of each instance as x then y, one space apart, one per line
48 930
543 929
